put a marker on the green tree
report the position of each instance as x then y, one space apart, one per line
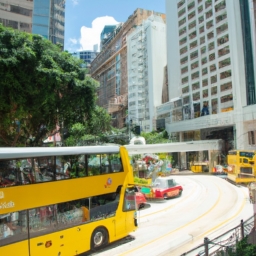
243 248
93 130
155 137
40 86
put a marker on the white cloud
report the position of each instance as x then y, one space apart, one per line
91 36
75 2
73 40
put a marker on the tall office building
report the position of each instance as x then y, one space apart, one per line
211 63
110 68
43 17
86 56
106 34
146 61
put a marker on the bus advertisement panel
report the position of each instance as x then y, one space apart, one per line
64 200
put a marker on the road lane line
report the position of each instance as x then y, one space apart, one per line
175 230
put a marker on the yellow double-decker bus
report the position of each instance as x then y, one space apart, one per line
64 200
241 166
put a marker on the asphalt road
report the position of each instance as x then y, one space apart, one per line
208 207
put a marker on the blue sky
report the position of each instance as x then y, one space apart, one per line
84 19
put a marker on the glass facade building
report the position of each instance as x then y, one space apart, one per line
86 56
49 19
43 17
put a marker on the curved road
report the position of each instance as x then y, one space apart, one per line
208 207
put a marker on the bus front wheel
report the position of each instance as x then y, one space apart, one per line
99 238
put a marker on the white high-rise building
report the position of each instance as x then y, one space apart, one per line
210 58
146 60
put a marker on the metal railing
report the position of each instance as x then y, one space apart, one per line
223 244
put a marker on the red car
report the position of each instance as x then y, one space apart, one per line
166 187
140 200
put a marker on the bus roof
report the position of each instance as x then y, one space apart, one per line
28 152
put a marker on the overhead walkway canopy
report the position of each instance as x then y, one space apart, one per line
189 146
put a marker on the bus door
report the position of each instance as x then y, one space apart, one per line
130 208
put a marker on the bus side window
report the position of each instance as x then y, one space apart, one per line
116 163
94 164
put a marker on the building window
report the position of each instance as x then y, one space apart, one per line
184 60
214 90
184 70
211 46
193 45
201 30
202 40
224 63
183 40
195 75
191 6
208 3
196 96
225 74
223 40
183 50
184 80
208 14
220 6
212 67
192 24
182 31
181 3
226 87
194 65
214 106
213 79
182 21
193 55
195 86
201 19
226 98
252 137
185 89
191 15
204 71
222 28
185 100
181 12
192 35
223 51
200 8
205 93
205 82
204 60
212 57
209 24
221 17
203 49
210 35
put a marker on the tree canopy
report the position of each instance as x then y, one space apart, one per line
40 86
